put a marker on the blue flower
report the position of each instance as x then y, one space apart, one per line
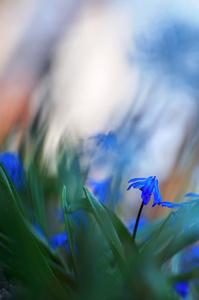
59 240
102 190
182 288
107 142
78 216
14 167
147 186
188 260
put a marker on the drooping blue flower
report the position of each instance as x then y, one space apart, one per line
14 167
106 141
182 288
147 186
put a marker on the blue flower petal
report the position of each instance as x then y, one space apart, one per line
182 288
103 191
107 142
156 193
146 199
148 188
59 240
171 205
130 186
136 179
139 184
192 195
14 167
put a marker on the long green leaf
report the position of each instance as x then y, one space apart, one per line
181 241
107 228
122 231
69 223
36 195
29 258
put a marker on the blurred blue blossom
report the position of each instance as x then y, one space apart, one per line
147 186
14 167
195 251
182 288
59 240
107 142
79 217
190 259
102 190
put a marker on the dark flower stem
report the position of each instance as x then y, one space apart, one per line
137 222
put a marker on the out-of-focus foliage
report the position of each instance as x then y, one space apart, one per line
92 254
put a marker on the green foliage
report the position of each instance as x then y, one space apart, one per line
103 262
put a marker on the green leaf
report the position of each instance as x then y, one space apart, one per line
107 228
12 192
179 230
161 233
181 241
120 228
70 229
29 260
36 195
193 274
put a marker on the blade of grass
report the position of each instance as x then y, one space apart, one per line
36 195
70 232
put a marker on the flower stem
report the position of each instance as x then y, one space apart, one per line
137 221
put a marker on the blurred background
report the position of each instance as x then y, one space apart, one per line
71 70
